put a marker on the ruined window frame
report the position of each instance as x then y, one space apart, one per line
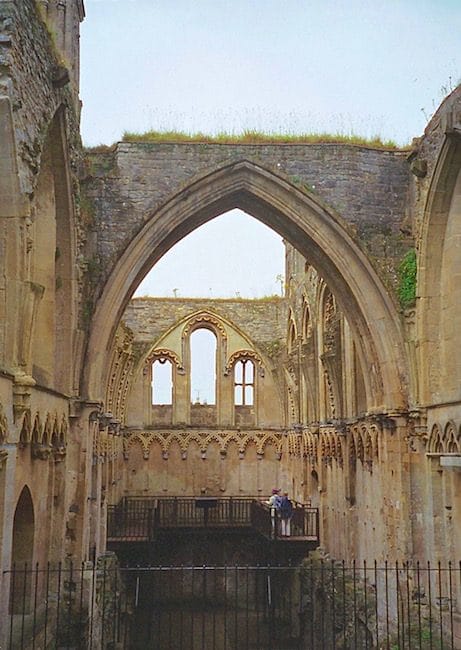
162 361
246 383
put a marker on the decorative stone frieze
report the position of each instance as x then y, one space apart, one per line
184 439
444 440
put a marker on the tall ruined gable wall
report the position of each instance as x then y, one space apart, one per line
264 321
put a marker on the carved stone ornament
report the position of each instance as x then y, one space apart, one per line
40 451
162 354
241 355
59 454
166 439
3 457
204 319
22 390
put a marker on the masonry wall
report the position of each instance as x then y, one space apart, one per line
264 321
45 445
367 187
31 82
378 478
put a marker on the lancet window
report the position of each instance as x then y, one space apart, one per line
162 382
203 345
244 382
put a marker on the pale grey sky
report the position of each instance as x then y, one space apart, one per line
367 67
302 65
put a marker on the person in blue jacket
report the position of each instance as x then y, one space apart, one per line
286 513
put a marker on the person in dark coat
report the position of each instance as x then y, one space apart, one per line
286 513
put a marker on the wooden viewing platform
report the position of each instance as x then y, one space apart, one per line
140 519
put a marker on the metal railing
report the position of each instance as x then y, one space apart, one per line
140 518
317 606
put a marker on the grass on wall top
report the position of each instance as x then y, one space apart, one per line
257 137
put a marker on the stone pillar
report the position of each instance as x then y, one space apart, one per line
78 484
397 487
349 372
418 487
225 386
181 401
7 479
58 502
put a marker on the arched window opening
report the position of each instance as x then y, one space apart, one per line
307 325
291 336
315 493
162 382
23 550
203 367
244 383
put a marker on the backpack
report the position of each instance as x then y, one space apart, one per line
277 502
285 507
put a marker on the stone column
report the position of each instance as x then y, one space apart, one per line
79 489
418 487
398 486
8 471
225 386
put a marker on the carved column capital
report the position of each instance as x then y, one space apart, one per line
22 389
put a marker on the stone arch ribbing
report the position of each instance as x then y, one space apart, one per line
315 231
439 213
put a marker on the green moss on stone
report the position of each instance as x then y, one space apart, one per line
407 279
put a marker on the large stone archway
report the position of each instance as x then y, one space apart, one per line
305 222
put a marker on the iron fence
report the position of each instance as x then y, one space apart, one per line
139 519
316 606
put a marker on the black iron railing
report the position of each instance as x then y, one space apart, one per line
320 605
140 518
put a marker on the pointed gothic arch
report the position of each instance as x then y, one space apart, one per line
51 305
438 291
22 553
306 223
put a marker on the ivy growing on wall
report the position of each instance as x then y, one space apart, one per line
407 279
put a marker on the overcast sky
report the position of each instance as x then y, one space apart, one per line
350 66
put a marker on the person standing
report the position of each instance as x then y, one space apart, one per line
274 504
286 513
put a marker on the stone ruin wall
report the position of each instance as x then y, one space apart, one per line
368 188
31 79
206 458
372 190
264 321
